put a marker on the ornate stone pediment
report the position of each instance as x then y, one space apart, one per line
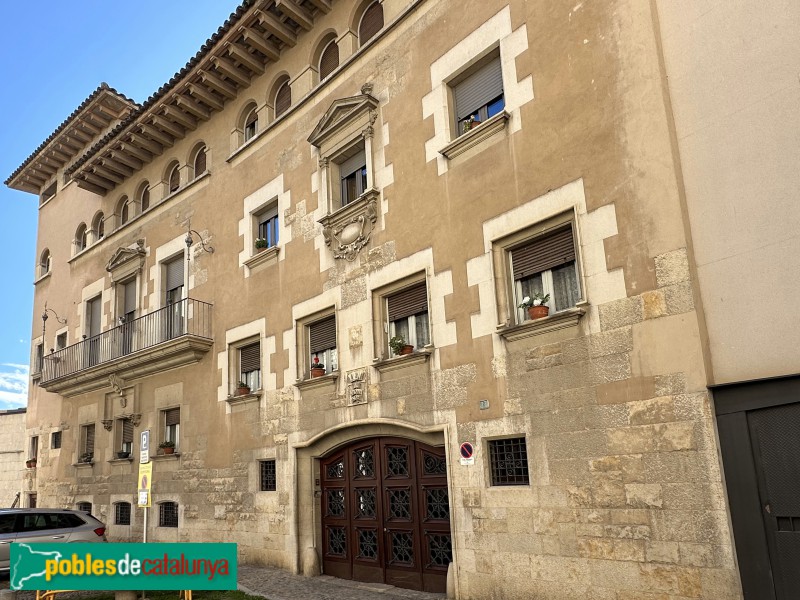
349 229
126 261
343 113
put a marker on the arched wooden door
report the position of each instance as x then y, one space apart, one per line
386 513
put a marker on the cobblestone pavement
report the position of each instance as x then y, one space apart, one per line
277 584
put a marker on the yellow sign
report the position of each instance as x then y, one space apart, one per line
144 482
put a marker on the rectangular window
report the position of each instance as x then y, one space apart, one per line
55 440
353 175
124 437
407 312
122 513
38 358
508 461
267 234
478 94
61 341
250 365
172 423
168 514
269 482
322 344
85 507
546 265
87 443
34 449
48 193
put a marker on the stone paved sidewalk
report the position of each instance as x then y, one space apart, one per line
276 584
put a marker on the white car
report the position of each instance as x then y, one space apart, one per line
51 525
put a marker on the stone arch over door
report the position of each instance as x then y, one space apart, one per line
311 455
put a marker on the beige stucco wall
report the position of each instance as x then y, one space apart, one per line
733 84
625 499
12 455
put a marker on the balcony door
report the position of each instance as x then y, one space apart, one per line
174 325
128 315
93 316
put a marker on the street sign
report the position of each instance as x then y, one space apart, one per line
143 484
467 452
144 447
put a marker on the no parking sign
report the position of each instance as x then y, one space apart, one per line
467 452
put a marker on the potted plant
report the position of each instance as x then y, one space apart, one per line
399 347
168 447
31 463
536 305
470 124
123 453
86 457
261 244
242 389
317 368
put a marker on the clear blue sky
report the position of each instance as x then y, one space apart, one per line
54 54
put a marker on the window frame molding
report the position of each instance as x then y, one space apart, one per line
303 345
381 326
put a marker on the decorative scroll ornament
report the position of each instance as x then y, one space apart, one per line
356 384
347 231
107 424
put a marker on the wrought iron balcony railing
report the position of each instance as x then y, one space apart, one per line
187 318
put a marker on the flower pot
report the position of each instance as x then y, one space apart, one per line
407 349
169 450
242 391
537 312
260 248
317 371
123 454
30 464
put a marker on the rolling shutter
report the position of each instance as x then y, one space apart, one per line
250 357
542 254
371 23
478 89
407 302
95 306
88 446
283 99
130 298
172 416
322 335
174 274
329 60
353 164
127 431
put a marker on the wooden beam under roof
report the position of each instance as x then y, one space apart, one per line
247 59
168 126
79 136
216 82
93 129
126 158
87 185
297 13
255 40
35 180
176 115
275 27
65 144
192 106
103 112
230 71
322 5
205 96
97 180
141 153
117 166
58 155
44 168
96 121
156 134
106 173
149 145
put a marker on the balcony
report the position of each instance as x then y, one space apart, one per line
176 335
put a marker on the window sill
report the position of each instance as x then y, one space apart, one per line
399 362
244 398
173 456
177 192
42 278
268 255
554 322
476 135
83 464
121 460
315 382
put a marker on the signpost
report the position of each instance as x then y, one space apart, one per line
145 480
467 452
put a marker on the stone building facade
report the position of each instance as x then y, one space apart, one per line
227 264
13 459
